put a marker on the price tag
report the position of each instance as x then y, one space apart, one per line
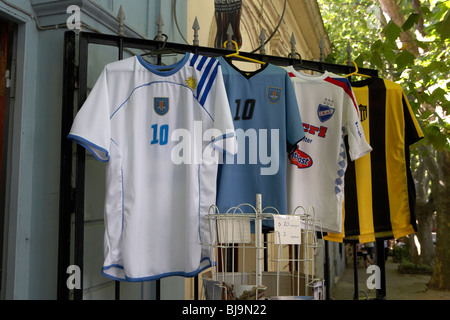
287 229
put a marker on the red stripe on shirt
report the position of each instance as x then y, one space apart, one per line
346 88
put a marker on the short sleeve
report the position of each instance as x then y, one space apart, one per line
294 125
413 131
358 146
91 126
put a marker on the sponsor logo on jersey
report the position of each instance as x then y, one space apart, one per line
325 111
357 128
161 105
309 128
300 159
362 112
273 94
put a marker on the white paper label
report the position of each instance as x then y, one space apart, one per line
287 229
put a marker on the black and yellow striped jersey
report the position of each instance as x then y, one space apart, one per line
379 189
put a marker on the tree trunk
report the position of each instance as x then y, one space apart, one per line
424 215
425 172
407 38
440 279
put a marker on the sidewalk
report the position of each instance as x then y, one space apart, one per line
399 286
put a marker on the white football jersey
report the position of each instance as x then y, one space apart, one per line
315 174
160 130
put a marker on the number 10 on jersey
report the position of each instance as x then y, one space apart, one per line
160 134
247 112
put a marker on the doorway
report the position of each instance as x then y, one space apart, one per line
7 34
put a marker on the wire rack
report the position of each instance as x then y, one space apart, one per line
238 250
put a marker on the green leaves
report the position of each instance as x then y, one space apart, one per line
404 59
444 29
435 136
419 62
389 49
387 52
391 31
438 95
412 20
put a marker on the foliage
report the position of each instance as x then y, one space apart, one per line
414 52
348 22
401 253
411 267
375 43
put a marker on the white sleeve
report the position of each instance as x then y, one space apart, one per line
225 138
91 127
358 146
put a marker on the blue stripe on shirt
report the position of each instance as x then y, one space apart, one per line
204 78
209 85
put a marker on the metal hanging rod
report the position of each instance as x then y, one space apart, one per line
293 58
145 44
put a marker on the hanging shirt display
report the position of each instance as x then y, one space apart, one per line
316 171
160 132
379 192
268 126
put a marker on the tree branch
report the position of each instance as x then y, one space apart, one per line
420 25
393 10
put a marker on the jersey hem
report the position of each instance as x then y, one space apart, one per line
155 277
371 236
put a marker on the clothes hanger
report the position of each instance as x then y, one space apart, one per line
299 65
237 55
163 50
356 72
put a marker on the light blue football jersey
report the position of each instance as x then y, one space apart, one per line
268 126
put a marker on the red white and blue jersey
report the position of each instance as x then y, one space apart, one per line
315 174
160 130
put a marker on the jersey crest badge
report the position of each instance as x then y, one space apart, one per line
300 159
273 94
191 82
325 111
362 112
161 105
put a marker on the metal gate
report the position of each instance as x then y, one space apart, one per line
75 90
